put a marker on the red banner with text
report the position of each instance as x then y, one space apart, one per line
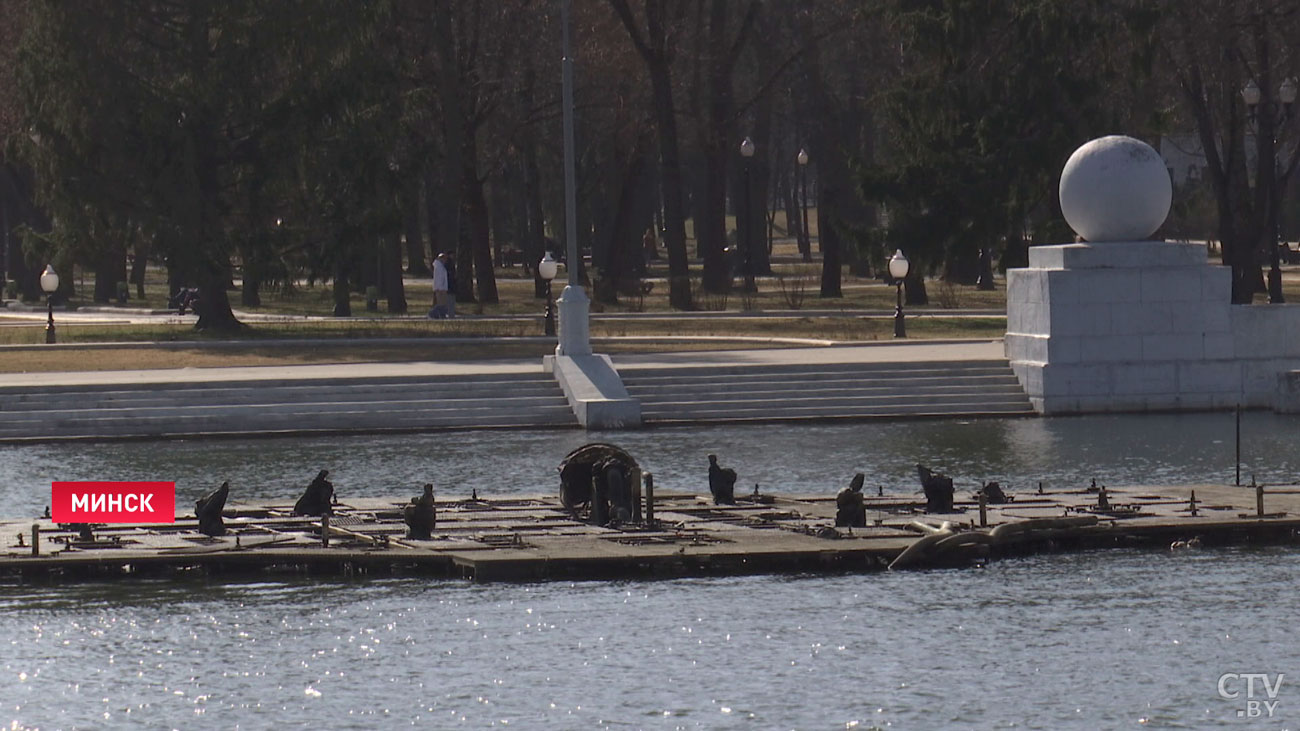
113 502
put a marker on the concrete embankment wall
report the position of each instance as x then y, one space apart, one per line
283 406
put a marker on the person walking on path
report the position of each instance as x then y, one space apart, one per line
440 291
450 264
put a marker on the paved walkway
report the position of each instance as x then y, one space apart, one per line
36 317
884 352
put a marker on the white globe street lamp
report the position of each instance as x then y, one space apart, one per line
899 266
805 239
1286 92
547 268
576 337
746 153
49 285
1251 94
1267 117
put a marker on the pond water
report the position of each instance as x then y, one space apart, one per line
1088 640
1117 450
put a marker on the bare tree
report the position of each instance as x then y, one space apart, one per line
654 36
1214 49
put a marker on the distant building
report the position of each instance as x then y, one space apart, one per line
1184 158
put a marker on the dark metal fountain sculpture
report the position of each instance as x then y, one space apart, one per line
601 480
850 506
421 515
208 511
722 482
318 498
938 490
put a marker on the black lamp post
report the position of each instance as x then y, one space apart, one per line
805 238
49 285
898 268
747 152
547 268
1266 125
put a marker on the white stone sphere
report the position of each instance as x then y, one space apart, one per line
1115 188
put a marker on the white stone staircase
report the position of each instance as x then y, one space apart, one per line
765 393
282 406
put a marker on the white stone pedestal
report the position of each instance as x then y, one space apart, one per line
574 310
590 382
1124 326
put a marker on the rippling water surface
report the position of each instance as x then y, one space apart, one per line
1092 640
1158 449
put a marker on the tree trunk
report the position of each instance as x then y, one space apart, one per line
476 247
534 217
670 174
213 307
710 212
139 267
830 240
391 275
620 234
450 188
793 215
19 208
416 265
342 289
250 294
175 279
653 48
914 289
762 175
828 150
369 259
211 262
433 201
110 268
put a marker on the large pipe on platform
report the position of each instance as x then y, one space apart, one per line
649 498
636 496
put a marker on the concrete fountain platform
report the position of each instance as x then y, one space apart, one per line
535 538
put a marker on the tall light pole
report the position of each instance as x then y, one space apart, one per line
547 269
805 235
746 153
898 268
1267 117
49 285
574 306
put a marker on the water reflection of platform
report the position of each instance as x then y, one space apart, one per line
535 538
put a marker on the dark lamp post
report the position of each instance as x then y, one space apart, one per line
1286 92
49 285
1267 117
1250 94
747 152
805 240
898 268
547 268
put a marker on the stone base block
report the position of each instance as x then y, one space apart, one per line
595 391
1118 255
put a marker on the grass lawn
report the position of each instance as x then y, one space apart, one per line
794 285
733 333
793 288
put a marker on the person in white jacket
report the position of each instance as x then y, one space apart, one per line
441 302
